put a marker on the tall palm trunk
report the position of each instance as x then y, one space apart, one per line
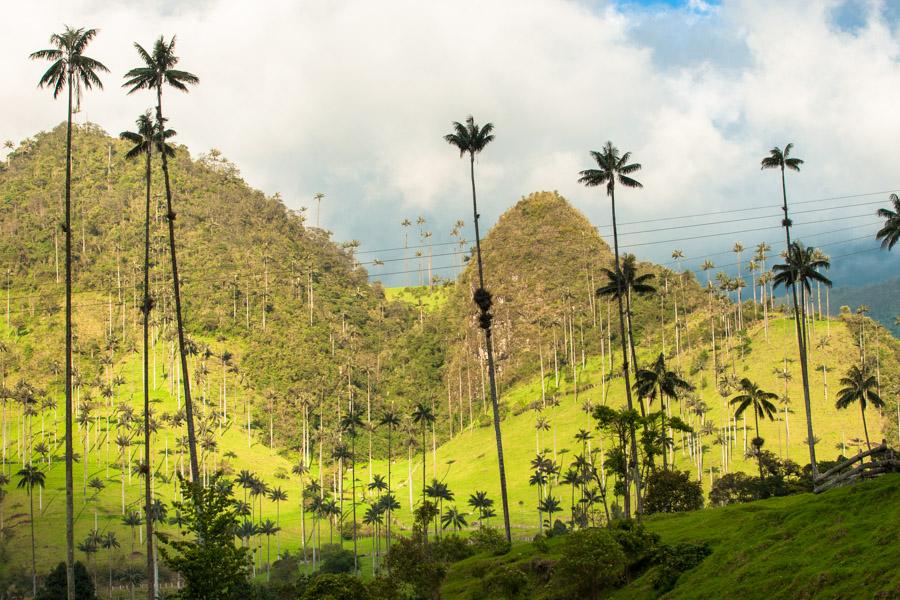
188 405
862 410
70 486
388 511
33 563
353 499
151 592
490 356
424 450
800 326
625 371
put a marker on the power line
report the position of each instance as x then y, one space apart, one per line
711 235
748 209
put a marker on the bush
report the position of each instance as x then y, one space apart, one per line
451 548
638 544
413 562
592 561
489 539
336 559
672 491
215 568
672 561
733 488
335 586
506 582
55 584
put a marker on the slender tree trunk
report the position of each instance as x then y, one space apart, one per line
70 486
800 327
145 309
862 410
188 405
626 372
490 356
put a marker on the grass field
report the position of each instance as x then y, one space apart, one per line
841 544
428 299
466 463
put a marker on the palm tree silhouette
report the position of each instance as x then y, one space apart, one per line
390 420
861 386
889 234
70 69
351 423
661 382
31 477
472 139
760 402
802 265
158 70
423 416
144 139
109 543
613 167
480 502
453 518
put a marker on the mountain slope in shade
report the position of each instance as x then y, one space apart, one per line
883 300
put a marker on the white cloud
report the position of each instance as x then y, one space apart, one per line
352 98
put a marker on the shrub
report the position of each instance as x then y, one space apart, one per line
451 548
489 539
591 561
412 562
505 582
540 543
636 543
672 491
55 584
336 559
215 568
335 586
672 561
733 488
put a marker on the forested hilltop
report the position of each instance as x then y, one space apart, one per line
270 300
286 332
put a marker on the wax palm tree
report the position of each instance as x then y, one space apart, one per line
147 136
268 528
480 502
390 420
778 159
29 478
471 139
301 471
802 265
157 71
614 167
373 518
453 518
760 402
109 543
889 234
423 416
549 506
861 386
658 381
351 423
277 495
72 70
132 520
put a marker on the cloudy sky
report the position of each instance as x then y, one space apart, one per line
351 98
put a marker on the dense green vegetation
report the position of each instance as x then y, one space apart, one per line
830 546
298 398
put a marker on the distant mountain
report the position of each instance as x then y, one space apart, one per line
883 300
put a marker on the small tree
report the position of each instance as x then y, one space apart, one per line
212 566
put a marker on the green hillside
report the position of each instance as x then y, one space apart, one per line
289 335
842 544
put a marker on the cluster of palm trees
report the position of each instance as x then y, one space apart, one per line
71 70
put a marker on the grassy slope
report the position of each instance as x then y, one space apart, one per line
431 299
466 462
841 544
